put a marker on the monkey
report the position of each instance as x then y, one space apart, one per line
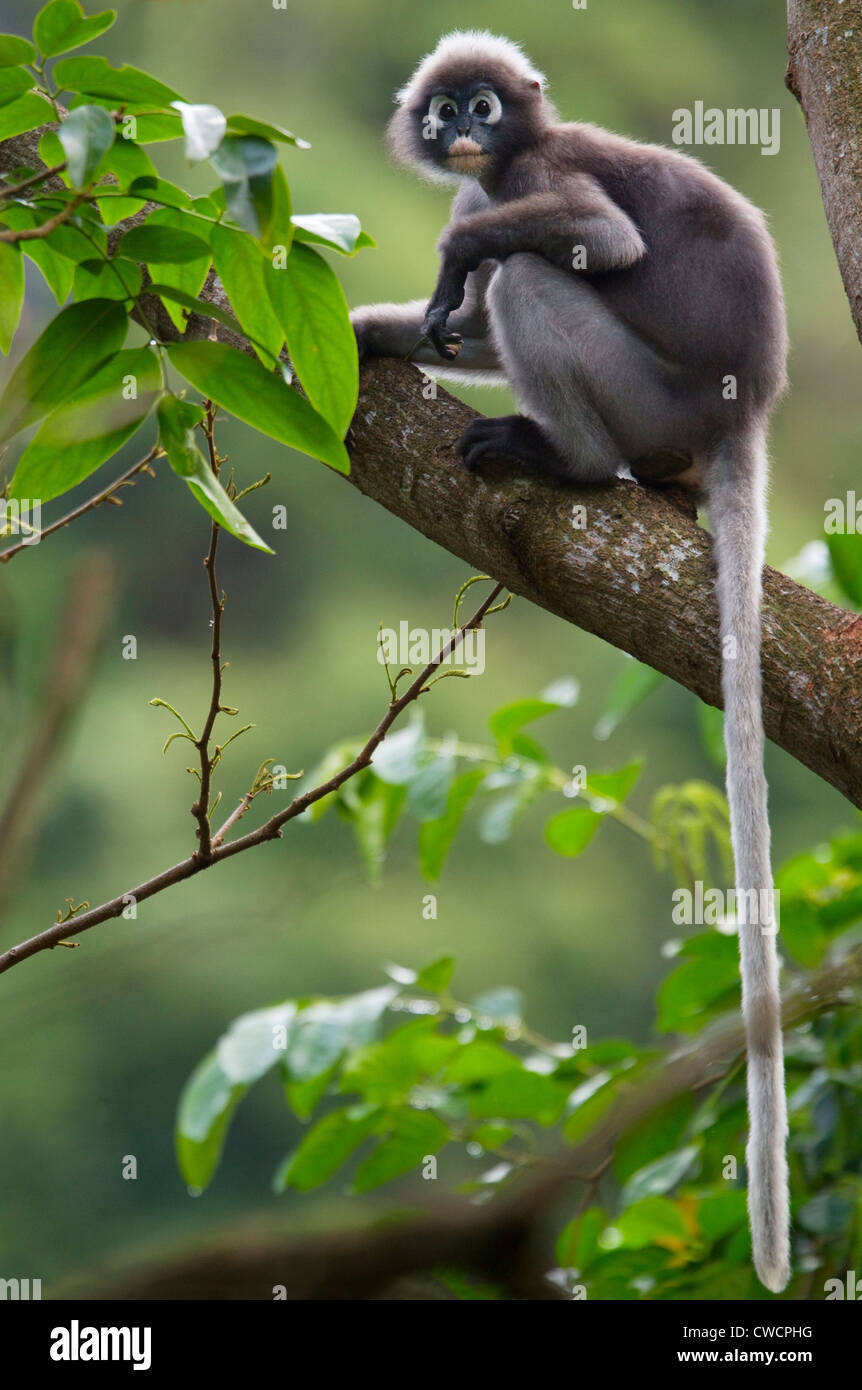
632 301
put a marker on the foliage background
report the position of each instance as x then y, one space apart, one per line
96 1043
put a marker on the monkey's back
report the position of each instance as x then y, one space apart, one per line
707 294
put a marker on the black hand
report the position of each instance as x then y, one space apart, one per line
447 344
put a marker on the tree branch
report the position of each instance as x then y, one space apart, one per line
270 830
824 41
639 574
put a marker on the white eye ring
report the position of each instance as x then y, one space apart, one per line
437 103
493 101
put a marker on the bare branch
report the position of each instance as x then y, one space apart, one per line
270 830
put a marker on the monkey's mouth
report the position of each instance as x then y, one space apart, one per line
465 156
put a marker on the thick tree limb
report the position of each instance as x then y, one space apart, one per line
824 41
639 574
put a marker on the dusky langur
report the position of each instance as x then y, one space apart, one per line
632 301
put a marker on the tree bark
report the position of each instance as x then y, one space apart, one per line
824 41
639 573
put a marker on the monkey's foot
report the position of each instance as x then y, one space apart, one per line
508 436
660 466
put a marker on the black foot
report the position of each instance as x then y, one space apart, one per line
509 436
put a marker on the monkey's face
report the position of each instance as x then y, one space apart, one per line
461 128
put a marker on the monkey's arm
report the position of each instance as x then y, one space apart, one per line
576 217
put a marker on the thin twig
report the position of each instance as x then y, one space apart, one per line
270 830
34 178
106 495
35 233
201 808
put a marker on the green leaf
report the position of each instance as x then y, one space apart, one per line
14 82
177 420
310 306
722 1213
95 77
659 1133
245 165
57 270
61 25
156 190
341 231
506 722
701 985
428 790
14 50
11 292
653 1221
569 832
187 277
66 353
436 977
412 1135
323 1150
205 1111
255 1042
845 553
240 265
244 387
197 306
614 786
165 245
634 683
28 112
114 279
827 1214
505 1005
127 162
437 836
660 1176
711 721
203 127
387 1072
245 125
90 425
323 1032
518 1094
303 1097
578 1242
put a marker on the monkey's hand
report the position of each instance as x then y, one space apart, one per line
447 297
447 344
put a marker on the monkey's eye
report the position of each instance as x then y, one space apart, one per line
443 108
487 106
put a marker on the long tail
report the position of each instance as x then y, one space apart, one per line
736 488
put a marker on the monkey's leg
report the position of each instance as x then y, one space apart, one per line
594 394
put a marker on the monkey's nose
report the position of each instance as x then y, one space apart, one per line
463 127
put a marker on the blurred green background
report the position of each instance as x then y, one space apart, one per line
97 1042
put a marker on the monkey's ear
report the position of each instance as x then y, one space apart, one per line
537 86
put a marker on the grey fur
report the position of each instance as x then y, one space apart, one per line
618 362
